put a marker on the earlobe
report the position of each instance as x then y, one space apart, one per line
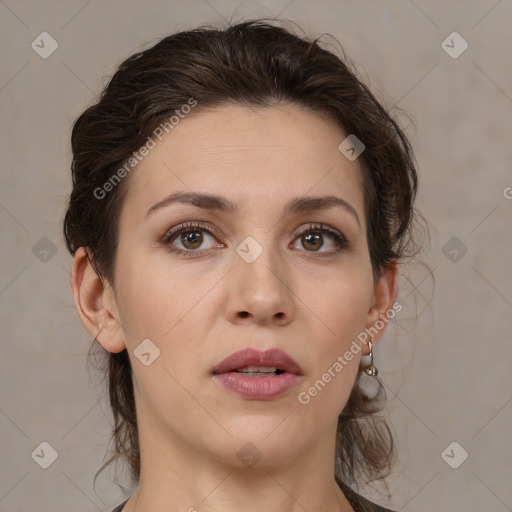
384 297
95 304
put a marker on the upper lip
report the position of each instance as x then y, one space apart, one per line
252 357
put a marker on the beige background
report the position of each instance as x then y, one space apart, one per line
447 372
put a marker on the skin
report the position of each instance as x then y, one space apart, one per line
305 299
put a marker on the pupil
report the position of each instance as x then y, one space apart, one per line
315 237
192 237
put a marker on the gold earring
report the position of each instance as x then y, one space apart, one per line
371 369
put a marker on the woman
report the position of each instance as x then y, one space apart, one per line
240 206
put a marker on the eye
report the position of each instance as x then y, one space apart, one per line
187 238
312 238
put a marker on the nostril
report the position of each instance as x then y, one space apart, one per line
244 314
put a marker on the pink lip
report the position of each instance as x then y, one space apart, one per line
253 357
258 388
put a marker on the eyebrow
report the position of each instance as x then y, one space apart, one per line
219 203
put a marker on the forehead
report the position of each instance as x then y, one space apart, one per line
267 155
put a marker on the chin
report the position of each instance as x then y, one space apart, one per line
263 443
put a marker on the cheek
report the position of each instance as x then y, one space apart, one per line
156 299
340 303
340 312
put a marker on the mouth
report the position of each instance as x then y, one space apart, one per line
260 371
256 375
253 363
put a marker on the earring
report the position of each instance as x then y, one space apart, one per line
371 369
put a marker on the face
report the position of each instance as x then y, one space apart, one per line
203 279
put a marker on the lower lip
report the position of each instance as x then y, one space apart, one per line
258 388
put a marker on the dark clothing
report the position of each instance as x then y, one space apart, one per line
358 503
120 506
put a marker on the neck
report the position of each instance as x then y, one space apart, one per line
177 477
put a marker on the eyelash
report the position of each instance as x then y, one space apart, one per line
341 242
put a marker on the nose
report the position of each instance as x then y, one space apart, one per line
260 292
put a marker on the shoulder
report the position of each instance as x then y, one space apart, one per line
368 506
360 503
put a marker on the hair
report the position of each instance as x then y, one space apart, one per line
256 64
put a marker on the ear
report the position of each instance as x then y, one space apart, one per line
95 302
384 297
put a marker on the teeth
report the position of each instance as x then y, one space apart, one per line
256 369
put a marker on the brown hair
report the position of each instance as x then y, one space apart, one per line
258 64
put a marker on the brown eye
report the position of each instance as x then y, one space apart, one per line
191 239
318 236
312 241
